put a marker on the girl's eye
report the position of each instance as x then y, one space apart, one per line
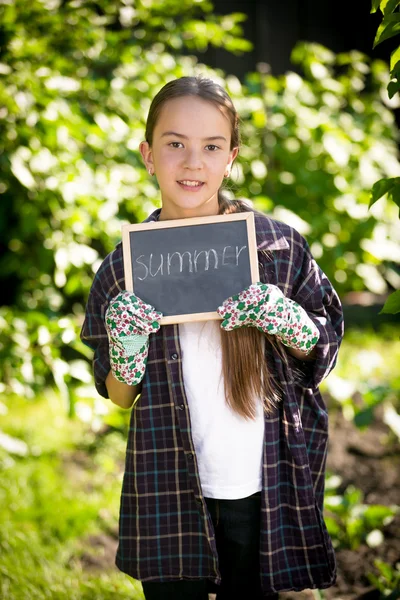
212 147
176 144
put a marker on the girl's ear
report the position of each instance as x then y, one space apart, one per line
232 155
147 155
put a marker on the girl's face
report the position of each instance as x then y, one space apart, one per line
190 154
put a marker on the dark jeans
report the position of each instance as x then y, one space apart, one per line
237 532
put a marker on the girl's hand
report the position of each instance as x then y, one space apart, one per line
129 321
264 306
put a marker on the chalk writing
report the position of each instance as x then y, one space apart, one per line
190 262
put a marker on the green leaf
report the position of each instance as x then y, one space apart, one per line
353 496
374 580
388 6
384 569
364 418
375 5
393 87
375 515
389 27
394 193
392 304
382 187
394 60
332 527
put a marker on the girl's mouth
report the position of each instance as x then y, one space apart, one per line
192 186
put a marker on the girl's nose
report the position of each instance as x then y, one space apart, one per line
193 160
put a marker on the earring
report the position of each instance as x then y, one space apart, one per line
227 173
151 172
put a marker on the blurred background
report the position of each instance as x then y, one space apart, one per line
318 131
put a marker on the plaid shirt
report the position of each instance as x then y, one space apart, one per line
165 530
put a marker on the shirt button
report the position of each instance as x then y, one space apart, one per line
181 407
174 356
190 457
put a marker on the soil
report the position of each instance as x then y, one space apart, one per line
368 460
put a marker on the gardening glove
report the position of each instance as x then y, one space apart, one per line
129 321
265 307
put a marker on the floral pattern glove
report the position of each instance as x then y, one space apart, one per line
129 322
264 306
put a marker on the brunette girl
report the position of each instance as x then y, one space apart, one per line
224 479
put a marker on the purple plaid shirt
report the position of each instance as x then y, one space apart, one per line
165 530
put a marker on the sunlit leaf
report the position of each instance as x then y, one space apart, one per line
377 515
392 304
332 526
382 187
388 6
389 27
384 568
375 4
394 60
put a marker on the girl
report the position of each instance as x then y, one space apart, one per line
224 480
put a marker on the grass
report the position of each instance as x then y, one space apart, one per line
56 496
61 480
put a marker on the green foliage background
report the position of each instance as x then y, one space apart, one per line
76 81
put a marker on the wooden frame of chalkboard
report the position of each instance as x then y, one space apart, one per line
186 268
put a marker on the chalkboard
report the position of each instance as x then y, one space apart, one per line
186 268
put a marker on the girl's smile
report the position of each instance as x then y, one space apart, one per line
190 155
191 186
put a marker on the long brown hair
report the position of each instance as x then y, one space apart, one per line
245 368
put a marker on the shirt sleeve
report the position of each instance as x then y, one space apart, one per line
314 292
94 335
107 283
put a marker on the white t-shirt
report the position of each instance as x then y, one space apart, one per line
228 447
